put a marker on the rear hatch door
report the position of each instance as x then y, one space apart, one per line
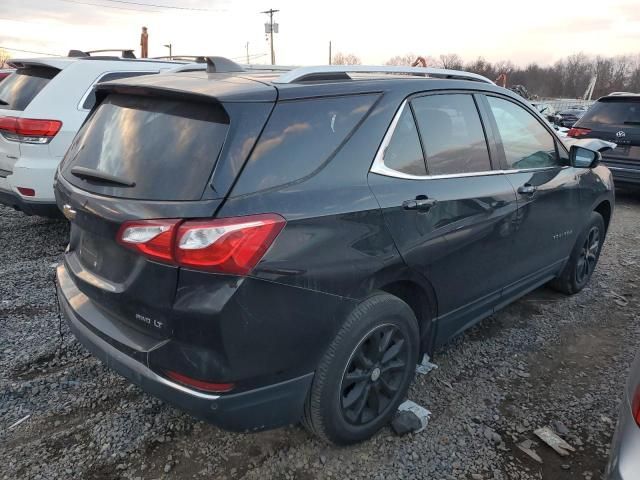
16 93
142 156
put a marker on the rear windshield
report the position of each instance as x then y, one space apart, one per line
164 149
622 111
18 89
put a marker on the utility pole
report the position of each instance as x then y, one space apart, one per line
271 28
169 46
329 52
247 47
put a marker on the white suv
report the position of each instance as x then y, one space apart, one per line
42 106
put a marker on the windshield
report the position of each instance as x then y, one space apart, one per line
155 149
19 88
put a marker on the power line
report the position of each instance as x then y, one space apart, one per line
110 6
164 6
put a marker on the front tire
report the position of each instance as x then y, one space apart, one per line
584 258
365 373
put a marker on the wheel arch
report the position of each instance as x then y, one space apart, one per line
419 294
605 209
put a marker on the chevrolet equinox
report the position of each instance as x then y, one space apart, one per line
264 247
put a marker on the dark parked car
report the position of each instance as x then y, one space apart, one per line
567 118
615 118
624 463
263 248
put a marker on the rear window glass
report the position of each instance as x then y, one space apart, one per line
300 137
166 148
18 89
614 112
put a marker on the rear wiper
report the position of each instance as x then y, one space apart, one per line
2 102
97 175
632 123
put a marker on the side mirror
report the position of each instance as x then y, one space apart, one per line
583 157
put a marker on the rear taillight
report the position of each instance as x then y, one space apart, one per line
228 245
152 238
635 405
28 130
578 132
225 245
199 384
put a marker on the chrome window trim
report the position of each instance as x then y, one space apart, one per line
100 77
378 166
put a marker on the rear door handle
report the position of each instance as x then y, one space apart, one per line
526 189
419 204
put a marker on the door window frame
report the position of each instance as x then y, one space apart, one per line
489 119
380 168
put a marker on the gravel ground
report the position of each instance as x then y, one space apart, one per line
545 360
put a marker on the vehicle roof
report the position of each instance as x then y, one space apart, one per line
262 86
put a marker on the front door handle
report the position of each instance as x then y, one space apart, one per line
527 189
420 203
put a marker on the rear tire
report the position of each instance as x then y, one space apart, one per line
584 258
365 373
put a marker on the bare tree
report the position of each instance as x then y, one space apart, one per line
401 60
451 61
346 59
4 56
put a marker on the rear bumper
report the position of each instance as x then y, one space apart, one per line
624 463
258 409
624 170
42 209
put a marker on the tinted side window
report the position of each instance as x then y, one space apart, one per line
90 101
452 135
18 89
403 153
527 144
300 137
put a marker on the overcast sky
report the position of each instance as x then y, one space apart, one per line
536 30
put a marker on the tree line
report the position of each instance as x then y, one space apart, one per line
566 78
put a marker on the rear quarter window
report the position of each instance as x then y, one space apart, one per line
300 137
18 89
167 148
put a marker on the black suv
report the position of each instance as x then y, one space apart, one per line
264 248
615 118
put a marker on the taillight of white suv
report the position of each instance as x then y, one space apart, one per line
224 245
29 130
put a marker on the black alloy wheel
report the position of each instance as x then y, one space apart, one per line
374 375
588 255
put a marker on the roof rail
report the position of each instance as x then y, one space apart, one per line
330 72
124 52
185 58
617 94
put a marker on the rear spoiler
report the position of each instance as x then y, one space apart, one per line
36 62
